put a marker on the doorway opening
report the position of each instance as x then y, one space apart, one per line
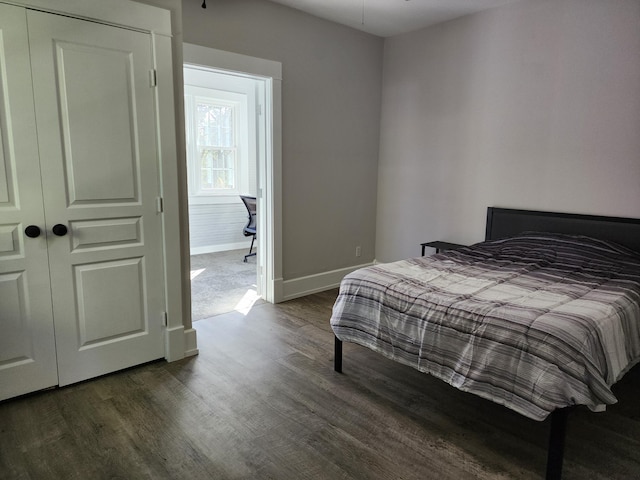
222 140
231 134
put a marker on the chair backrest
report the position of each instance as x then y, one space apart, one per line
250 203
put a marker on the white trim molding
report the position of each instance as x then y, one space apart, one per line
269 192
180 343
190 343
174 343
233 62
300 287
121 13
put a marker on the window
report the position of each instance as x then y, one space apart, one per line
213 153
215 145
218 146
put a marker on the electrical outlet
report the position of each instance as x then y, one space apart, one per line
358 251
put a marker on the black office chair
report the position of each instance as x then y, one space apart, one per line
250 229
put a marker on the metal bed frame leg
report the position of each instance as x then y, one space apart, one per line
337 360
557 435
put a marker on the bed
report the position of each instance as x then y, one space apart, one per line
541 317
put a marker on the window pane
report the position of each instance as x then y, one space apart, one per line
205 124
227 132
206 178
215 124
229 159
207 158
223 177
218 168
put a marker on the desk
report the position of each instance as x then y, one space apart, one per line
441 246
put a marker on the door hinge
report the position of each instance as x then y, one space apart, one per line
153 78
164 318
259 109
159 205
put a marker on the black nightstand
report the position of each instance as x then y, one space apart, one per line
441 246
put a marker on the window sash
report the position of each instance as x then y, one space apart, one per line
212 146
217 168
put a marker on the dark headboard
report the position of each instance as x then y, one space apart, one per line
506 222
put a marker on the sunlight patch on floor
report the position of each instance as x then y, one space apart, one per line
246 302
195 273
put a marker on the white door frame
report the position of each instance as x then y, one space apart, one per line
270 157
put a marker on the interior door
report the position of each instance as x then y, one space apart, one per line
96 123
27 345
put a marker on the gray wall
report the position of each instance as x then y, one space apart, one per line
330 132
534 105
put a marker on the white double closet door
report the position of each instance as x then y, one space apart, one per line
78 153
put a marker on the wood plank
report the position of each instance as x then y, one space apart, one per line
262 401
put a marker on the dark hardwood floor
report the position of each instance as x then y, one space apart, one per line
262 401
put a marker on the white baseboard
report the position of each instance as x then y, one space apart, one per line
300 287
278 293
190 343
221 248
180 343
174 343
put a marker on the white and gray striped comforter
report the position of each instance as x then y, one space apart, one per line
536 322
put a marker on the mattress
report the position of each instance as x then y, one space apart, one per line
534 322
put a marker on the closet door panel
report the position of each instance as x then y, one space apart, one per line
122 319
97 91
95 112
27 345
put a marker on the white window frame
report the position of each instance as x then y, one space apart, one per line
241 133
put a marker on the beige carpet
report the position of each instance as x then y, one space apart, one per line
221 283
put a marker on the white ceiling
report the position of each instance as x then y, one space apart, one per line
386 18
